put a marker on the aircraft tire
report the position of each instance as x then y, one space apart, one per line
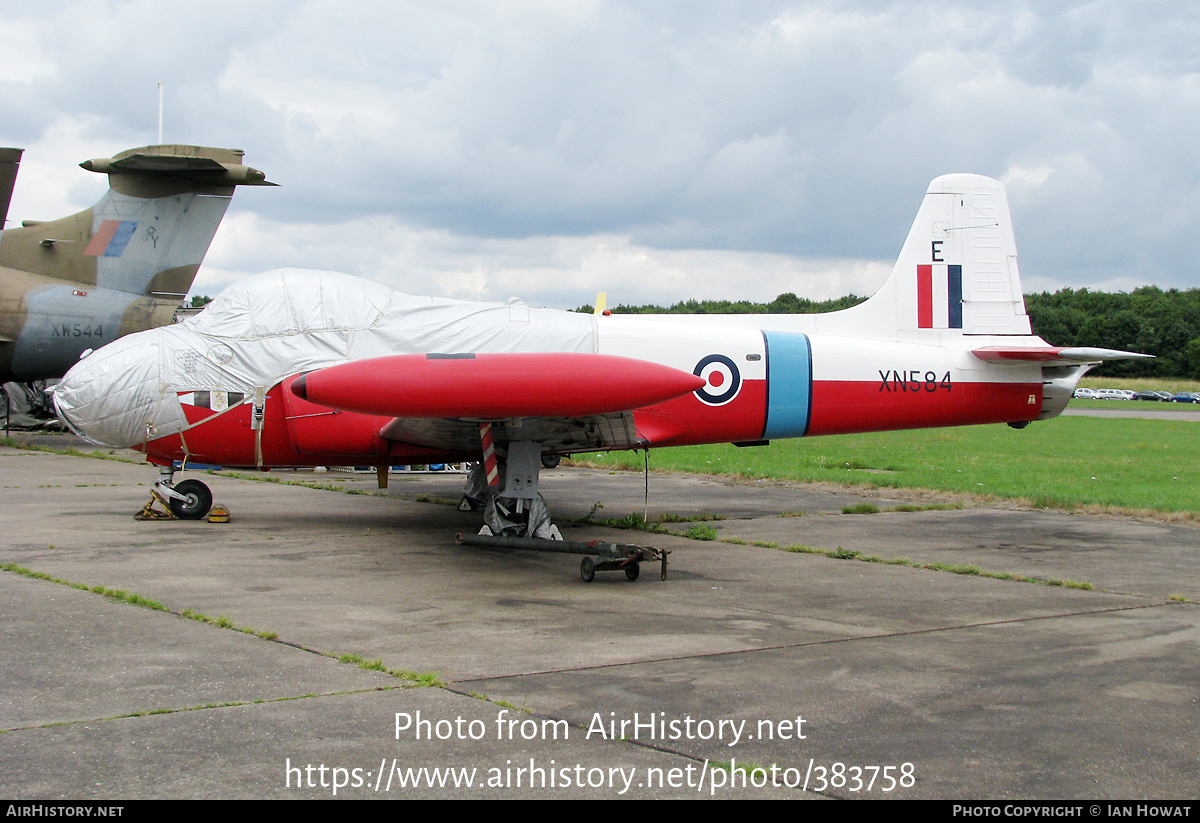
551 461
198 500
587 569
633 570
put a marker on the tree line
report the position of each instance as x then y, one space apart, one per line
1148 320
787 303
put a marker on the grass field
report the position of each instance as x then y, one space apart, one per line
1067 462
1132 405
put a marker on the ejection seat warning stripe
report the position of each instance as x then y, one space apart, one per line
789 384
111 238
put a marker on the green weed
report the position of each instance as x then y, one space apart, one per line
418 679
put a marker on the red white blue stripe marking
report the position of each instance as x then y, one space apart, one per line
111 238
939 296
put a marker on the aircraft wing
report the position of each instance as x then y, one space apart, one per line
593 432
569 401
1050 355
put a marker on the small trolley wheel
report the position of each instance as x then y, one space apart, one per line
633 570
551 461
196 503
587 569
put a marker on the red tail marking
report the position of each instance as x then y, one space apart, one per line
924 297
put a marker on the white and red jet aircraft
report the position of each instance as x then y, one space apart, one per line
301 368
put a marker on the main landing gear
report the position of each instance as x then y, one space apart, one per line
518 518
188 500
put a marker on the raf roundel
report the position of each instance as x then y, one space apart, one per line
722 378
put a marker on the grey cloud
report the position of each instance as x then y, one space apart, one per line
807 129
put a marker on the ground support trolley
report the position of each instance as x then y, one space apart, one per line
610 556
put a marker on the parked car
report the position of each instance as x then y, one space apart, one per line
1187 397
1086 394
1148 395
1115 394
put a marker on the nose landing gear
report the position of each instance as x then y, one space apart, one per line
189 500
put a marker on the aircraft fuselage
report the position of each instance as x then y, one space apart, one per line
760 384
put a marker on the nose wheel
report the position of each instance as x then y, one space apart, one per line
191 501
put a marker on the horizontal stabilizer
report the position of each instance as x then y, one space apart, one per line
494 386
216 166
1052 354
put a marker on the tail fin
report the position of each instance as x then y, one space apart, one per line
957 271
10 160
148 235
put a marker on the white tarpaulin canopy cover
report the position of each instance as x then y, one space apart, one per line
283 322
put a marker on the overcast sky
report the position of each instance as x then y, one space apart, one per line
655 150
